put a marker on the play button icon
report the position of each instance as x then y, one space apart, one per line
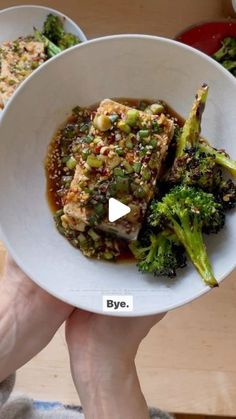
116 210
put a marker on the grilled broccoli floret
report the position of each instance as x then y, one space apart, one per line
53 28
50 47
68 40
226 55
190 134
188 212
200 169
226 194
197 163
162 256
227 51
230 65
222 158
195 168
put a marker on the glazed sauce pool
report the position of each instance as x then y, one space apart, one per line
54 182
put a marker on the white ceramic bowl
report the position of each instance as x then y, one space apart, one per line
134 66
20 21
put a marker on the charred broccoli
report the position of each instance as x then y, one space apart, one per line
226 55
53 28
222 158
50 47
162 256
195 168
226 194
190 134
68 40
188 212
199 164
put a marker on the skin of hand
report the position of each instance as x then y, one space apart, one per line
102 349
102 353
29 318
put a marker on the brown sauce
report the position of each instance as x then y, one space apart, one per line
52 167
53 183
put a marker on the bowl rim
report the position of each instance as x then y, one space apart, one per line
81 33
43 68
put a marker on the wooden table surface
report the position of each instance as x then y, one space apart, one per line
187 363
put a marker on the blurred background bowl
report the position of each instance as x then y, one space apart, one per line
20 20
207 37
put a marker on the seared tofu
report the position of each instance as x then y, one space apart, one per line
122 158
17 61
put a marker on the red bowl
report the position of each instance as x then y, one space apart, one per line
207 37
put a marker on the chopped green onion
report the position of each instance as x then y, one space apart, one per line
119 151
93 234
77 110
153 143
65 158
58 213
148 110
137 167
113 118
143 152
84 127
156 127
93 220
122 184
99 209
69 132
71 163
157 108
140 192
85 154
153 161
123 127
34 65
127 166
94 162
131 117
102 123
113 162
108 255
60 228
129 144
97 140
118 171
142 105
81 238
133 186
146 173
143 133
88 139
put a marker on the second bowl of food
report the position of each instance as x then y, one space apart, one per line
29 36
99 173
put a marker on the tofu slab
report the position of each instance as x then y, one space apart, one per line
129 167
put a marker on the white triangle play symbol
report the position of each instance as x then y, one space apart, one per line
116 210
